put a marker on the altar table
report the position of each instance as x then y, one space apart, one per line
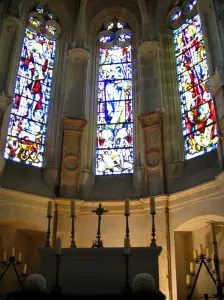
97 270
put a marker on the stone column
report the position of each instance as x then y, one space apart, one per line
10 36
153 151
71 157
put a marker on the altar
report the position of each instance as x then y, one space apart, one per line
97 270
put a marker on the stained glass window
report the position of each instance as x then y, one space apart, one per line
197 107
114 153
28 119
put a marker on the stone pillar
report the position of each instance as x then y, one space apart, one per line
71 157
153 151
79 37
75 90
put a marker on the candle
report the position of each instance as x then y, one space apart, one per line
49 209
152 205
207 254
58 248
4 256
126 245
126 206
19 256
188 280
13 251
192 268
24 268
195 255
200 250
73 208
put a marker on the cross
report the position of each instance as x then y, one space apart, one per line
99 212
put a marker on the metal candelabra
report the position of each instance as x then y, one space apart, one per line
153 240
12 261
73 243
127 288
127 225
98 243
203 259
48 235
56 288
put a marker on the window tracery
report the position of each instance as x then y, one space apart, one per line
114 152
197 106
32 94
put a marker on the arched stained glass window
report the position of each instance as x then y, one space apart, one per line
28 119
114 153
197 107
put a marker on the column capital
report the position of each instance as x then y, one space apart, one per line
70 124
149 48
215 82
153 119
78 54
12 24
5 100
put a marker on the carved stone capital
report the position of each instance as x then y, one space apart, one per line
5 100
78 54
204 6
76 125
215 83
153 119
12 24
149 48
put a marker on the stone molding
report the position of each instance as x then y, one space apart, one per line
204 6
149 49
12 24
215 83
151 119
5 100
210 190
76 125
78 54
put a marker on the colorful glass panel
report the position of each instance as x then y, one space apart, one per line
197 107
114 154
28 118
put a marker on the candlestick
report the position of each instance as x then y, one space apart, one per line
195 255
188 280
192 268
58 246
24 269
73 243
152 205
127 245
49 208
13 251
19 257
98 243
48 235
56 288
4 256
73 208
126 207
200 250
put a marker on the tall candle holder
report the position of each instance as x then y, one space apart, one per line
204 259
153 240
73 243
57 288
12 262
127 289
127 231
98 243
48 235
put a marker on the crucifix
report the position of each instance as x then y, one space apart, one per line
99 212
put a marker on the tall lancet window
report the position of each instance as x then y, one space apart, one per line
197 107
32 94
114 152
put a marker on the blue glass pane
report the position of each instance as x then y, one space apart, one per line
115 115
28 118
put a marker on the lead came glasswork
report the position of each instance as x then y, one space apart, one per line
114 152
197 107
28 118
